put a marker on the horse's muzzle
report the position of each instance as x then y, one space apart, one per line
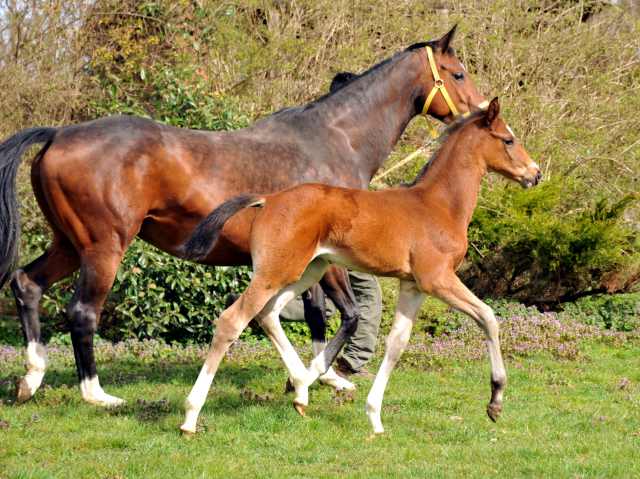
529 181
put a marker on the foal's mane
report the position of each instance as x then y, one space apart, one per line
288 112
445 138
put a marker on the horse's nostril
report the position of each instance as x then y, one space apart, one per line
539 177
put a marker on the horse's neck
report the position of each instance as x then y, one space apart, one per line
373 112
454 177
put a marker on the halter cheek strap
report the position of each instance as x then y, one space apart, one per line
438 86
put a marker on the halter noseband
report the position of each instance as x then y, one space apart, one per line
438 86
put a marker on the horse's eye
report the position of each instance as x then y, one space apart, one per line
458 76
508 142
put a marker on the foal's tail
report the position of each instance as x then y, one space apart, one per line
205 236
10 153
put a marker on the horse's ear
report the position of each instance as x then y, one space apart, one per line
492 112
472 106
341 79
445 42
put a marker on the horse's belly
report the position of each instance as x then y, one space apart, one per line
232 249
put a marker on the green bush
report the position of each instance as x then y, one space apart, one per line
156 295
173 95
538 246
618 313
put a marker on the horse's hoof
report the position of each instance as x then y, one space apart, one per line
301 408
22 390
186 432
289 387
494 412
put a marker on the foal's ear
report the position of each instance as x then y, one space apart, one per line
492 113
443 44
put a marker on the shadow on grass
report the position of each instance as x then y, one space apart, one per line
60 386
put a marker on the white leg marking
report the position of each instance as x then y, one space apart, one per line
407 308
300 378
317 365
37 364
331 378
195 400
94 394
270 322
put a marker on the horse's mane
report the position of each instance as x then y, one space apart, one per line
291 111
445 138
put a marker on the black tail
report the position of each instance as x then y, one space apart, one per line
205 237
10 153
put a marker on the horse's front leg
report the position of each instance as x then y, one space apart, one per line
409 302
335 283
455 294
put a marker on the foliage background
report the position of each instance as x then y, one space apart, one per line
567 74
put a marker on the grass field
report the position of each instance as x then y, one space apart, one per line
562 418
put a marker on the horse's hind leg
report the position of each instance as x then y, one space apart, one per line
336 284
455 294
97 272
409 301
29 284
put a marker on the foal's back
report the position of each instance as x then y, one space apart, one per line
375 232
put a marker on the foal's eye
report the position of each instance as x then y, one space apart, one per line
508 142
458 76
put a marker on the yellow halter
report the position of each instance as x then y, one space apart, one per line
438 86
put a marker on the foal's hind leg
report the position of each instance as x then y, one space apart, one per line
230 324
455 294
409 301
258 301
268 318
28 285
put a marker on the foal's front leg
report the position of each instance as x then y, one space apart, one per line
456 294
409 301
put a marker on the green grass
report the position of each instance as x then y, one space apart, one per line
550 426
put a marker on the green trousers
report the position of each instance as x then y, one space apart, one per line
361 345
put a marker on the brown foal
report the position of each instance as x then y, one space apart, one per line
416 233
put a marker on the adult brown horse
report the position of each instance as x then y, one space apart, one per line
416 233
101 183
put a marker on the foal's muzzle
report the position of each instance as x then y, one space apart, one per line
529 181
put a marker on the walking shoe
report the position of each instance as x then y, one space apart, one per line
344 371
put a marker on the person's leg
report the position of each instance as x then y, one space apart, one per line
361 344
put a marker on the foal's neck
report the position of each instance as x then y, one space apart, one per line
454 176
376 109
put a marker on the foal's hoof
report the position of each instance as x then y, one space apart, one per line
186 432
289 387
22 390
494 412
301 408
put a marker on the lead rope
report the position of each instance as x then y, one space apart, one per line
438 86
